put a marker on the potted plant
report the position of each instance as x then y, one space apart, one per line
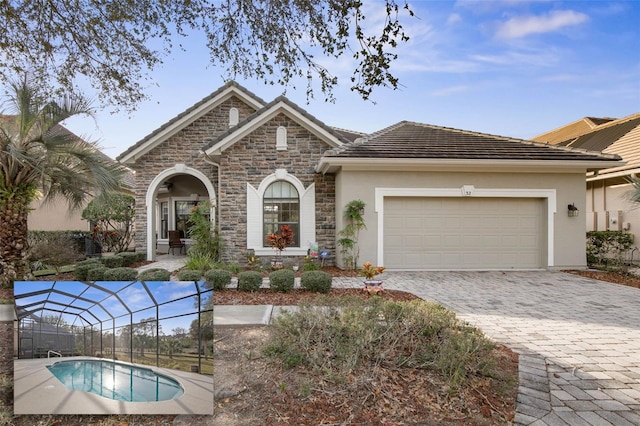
371 285
279 242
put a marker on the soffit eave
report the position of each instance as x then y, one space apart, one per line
334 164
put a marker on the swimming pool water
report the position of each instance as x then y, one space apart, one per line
117 381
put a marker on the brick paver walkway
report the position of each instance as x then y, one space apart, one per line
578 339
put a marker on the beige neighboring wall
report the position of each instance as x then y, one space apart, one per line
567 246
55 216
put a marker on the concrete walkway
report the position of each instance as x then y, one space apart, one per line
578 339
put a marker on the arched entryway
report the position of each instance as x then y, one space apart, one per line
169 199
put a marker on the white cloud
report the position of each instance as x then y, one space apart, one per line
525 25
451 90
454 18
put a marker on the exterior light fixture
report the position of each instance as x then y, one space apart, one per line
572 210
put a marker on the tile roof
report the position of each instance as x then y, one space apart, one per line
416 140
572 130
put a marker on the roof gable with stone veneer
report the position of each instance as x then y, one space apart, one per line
188 116
280 105
416 142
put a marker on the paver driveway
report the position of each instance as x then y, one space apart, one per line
578 339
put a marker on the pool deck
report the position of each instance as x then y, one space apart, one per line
37 391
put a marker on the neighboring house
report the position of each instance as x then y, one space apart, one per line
436 198
56 215
607 204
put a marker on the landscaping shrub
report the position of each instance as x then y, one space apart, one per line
120 274
155 274
97 273
140 256
218 279
112 261
249 281
372 332
608 249
47 254
189 275
128 258
282 280
200 262
316 281
83 267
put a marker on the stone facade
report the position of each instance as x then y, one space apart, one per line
249 160
184 147
255 157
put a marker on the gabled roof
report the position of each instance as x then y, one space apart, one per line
280 105
572 130
621 137
187 117
423 143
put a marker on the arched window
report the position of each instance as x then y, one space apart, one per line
281 206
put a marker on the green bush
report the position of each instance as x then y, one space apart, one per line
316 281
249 281
120 274
608 249
128 258
282 280
112 261
155 274
140 256
83 267
97 273
218 279
189 275
200 262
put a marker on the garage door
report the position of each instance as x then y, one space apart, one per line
464 233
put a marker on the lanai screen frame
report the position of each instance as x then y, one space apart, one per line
22 311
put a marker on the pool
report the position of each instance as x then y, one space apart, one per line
113 380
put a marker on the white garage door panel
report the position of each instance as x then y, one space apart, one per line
464 233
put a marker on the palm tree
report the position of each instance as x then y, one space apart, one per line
40 157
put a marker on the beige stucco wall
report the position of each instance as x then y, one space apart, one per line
623 215
569 233
55 216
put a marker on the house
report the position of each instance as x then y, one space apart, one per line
436 198
607 203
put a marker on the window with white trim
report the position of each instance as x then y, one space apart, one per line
305 224
281 206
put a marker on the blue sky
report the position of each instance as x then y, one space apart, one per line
508 67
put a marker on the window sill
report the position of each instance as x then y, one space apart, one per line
291 251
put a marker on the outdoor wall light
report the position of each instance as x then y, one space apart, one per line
573 210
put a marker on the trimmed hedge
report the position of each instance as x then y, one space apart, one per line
97 274
282 280
83 267
218 279
112 261
120 274
318 281
608 248
155 274
249 281
189 275
128 258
